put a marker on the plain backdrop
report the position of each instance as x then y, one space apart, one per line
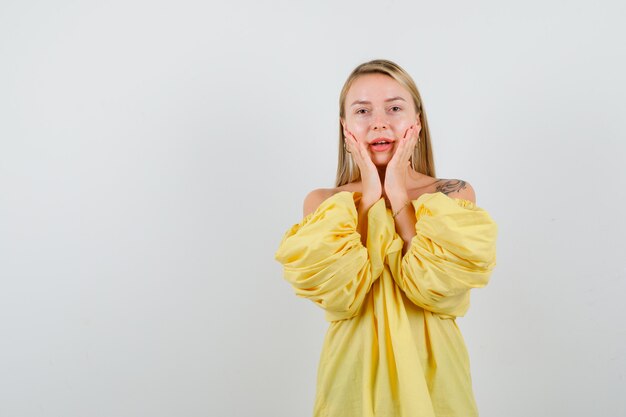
153 154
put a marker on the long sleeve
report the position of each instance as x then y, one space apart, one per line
325 261
453 251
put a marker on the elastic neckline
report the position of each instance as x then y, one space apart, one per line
462 200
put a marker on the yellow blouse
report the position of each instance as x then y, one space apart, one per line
393 347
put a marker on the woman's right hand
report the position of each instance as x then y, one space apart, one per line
370 180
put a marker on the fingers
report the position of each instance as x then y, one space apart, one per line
352 144
404 150
359 151
350 141
407 144
416 128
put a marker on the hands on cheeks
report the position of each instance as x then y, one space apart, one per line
371 184
395 175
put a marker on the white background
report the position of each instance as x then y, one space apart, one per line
153 153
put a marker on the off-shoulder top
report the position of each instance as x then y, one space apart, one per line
393 347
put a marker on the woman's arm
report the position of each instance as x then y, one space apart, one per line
363 210
405 220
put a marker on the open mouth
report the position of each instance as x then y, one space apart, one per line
381 145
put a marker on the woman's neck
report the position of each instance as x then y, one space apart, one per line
381 173
412 176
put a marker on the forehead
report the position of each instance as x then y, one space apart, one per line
375 87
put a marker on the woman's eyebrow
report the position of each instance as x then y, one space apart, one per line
369 102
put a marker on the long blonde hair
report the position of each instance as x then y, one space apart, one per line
422 159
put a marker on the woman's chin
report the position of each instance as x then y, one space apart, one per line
381 163
381 160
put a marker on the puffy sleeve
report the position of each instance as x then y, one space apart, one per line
324 260
453 251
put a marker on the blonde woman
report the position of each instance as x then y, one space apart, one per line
391 254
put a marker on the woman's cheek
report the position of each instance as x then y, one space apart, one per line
360 133
402 130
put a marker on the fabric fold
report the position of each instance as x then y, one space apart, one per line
324 259
453 251
387 350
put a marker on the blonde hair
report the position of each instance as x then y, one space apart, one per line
422 159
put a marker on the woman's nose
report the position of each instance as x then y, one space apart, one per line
380 123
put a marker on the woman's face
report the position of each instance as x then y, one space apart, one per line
378 107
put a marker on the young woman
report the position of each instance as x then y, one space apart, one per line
390 254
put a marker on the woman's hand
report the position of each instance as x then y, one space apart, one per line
371 184
395 175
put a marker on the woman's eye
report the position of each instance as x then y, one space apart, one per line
393 109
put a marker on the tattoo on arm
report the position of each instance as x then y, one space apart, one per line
450 186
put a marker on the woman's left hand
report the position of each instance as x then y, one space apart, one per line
395 175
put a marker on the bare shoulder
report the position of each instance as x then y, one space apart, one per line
457 189
315 198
